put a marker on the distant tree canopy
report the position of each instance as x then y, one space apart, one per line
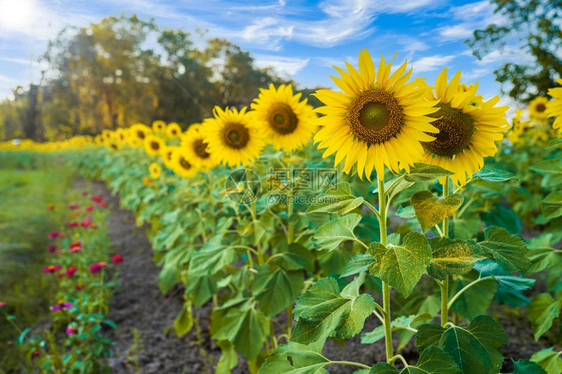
125 70
532 26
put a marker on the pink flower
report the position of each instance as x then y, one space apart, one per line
97 199
61 306
70 271
75 249
89 208
117 259
51 269
52 248
2 303
73 224
96 267
35 354
73 206
86 223
71 330
55 234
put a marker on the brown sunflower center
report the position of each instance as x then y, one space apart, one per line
184 163
114 146
540 107
140 134
200 148
236 135
455 131
282 119
155 145
375 116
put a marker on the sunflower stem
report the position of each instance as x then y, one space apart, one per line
445 284
385 287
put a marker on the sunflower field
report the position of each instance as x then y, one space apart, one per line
401 214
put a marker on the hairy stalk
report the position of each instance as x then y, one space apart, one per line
463 290
445 284
350 363
385 287
290 238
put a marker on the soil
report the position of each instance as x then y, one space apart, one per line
139 305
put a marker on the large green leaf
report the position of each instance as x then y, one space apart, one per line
276 289
184 321
240 323
229 358
294 257
432 361
169 276
526 367
548 167
200 289
476 300
430 210
549 360
451 257
338 200
358 263
542 255
542 310
210 260
294 359
323 312
330 235
509 287
425 172
494 175
475 349
552 205
510 251
401 266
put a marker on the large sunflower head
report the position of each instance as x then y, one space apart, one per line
195 147
288 122
554 107
153 145
173 131
155 170
139 132
159 126
378 120
233 138
467 130
182 165
537 107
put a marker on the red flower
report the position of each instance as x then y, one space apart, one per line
55 234
51 268
51 207
89 208
79 287
35 354
96 267
52 248
103 204
70 271
77 243
73 206
86 223
60 275
97 199
73 224
117 259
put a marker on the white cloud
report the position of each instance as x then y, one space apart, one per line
430 63
284 65
475 74
6 79
467 18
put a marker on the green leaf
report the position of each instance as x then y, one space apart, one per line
431 210
549 360
276 289
542 310
169 276
337 200
294 359
476 300
295 257
229 358
424 172
358 263
526 367
323 312
507 250
199 289
241 324
184 321
548 167
432 361
494 175
401 266
542 255
552 205
475 349
330 235
509 287
451 257
400 323
210 260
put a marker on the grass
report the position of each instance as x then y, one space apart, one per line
24 227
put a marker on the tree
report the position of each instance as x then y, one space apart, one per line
532 26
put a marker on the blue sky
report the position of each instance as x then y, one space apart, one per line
300 39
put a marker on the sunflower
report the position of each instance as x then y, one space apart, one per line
139 132
159 126
377 120
232 137
153 145
155 170
554 107
537 107
111 141
173 130
167 155
122 136
288 122
182 165
195 147
467 131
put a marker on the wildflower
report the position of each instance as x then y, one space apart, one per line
71 330
73 206
51 269
96 267
55 234
61 306
84 193
79 287
35 354
97 199
52 248
2 303
51 207
117 259
73 224
89 208
71 271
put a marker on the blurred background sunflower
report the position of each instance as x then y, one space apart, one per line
153 145
194 145
155 170
537 107
182 165
554 107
